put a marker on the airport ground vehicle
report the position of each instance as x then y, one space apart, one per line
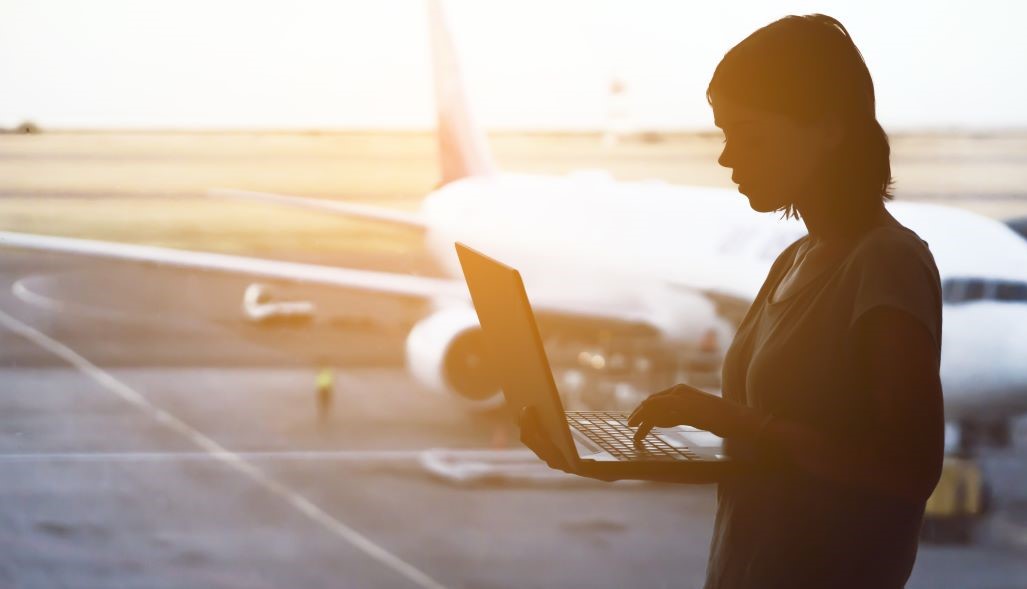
958 503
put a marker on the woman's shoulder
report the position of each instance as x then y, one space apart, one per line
892 262
892 266
893 243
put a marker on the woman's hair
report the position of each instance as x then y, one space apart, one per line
808 68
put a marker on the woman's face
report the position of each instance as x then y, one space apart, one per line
772 158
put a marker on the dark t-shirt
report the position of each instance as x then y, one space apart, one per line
793 356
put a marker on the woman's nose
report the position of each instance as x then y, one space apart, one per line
724 159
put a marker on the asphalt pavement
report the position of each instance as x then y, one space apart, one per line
152 438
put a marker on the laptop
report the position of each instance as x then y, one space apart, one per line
597 442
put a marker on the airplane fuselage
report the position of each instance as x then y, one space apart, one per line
633 245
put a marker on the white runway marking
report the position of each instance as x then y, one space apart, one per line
27 296
368 456
215 450
358 456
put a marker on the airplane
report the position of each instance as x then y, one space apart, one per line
674 265
1019 225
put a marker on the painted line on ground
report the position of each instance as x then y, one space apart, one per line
357 456
229 458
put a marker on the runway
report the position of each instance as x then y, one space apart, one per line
150 438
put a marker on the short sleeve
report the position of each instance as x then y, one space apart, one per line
894 268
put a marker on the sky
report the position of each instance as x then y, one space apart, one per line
527 64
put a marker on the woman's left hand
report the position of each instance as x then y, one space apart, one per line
685 405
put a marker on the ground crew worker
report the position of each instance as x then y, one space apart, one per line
325 386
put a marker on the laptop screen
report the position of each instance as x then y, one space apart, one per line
513 345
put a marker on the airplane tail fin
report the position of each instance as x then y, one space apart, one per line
463 148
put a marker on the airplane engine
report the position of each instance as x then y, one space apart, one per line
445 353
260 306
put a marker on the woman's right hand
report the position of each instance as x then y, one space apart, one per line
534 436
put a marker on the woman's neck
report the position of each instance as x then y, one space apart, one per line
827 225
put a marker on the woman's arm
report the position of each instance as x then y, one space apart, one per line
901 452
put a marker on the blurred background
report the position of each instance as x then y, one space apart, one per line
118 116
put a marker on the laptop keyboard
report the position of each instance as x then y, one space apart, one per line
609 430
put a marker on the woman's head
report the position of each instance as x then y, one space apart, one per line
796 103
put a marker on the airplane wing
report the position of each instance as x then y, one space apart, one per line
731 297
366 280
411 220
404 285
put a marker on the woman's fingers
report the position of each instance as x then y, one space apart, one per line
540 446
654 398
634 413
636 416
653 407
535 438
532 438
647 416
656 411
642 408
643 430
530 423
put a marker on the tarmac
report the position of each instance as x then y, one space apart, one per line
151 438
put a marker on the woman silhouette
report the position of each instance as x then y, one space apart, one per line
832 400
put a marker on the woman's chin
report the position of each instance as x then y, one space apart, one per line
761 205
